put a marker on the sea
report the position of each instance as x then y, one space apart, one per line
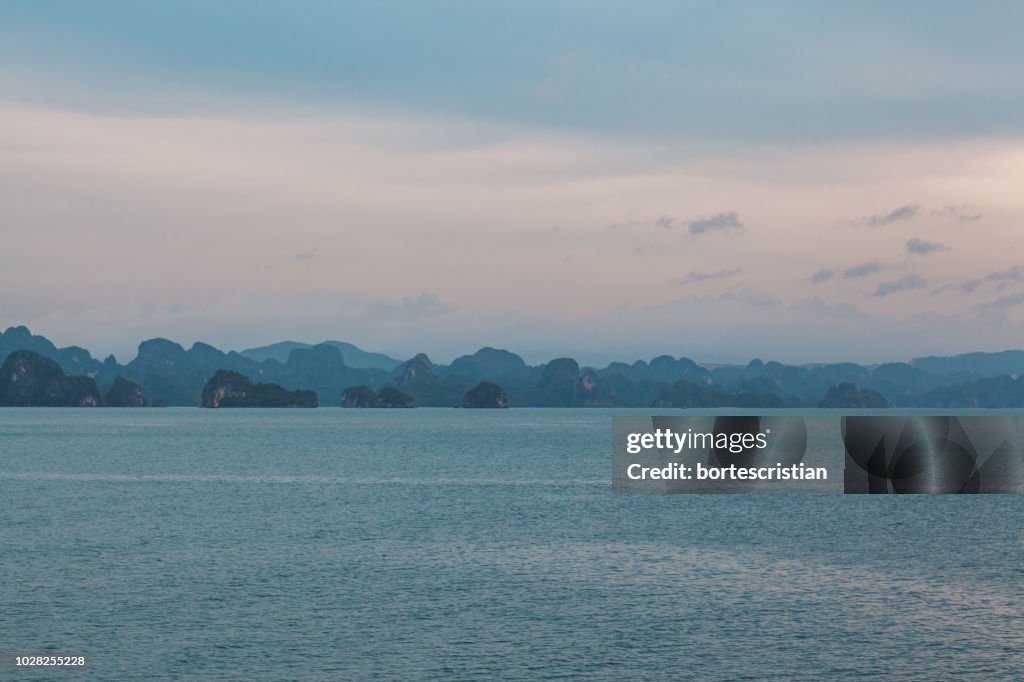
449 544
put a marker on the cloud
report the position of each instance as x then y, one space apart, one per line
898 214
912 84
755 298
1001 278
862 270
894 216
693 277
717 223
181 192
964 213
921 247
908 283
822 275
308 254
1003 302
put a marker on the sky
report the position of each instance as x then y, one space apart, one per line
798 181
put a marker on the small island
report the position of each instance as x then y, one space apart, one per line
27 379
165 373
486 395
846 396
362 396
125 393
231 389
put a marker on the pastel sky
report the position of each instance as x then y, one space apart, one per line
800 181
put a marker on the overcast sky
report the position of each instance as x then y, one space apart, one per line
801 181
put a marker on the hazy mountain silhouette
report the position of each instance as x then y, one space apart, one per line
170 374
353 355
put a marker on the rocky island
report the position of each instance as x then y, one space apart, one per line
389 396
362 396
358 396
124 393
486 395
231 389
846 396
27 379
170 374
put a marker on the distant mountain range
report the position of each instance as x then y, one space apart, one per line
169 374
352 355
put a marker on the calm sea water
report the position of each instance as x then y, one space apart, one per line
454 544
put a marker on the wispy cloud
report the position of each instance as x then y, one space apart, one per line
921 247
964 213
907 283
308 254
1001 279
898 214
727 221
894 216
693 277
822 275
1011 301
862 270
716 223
755 298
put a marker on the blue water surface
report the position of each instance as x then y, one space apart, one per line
449 544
